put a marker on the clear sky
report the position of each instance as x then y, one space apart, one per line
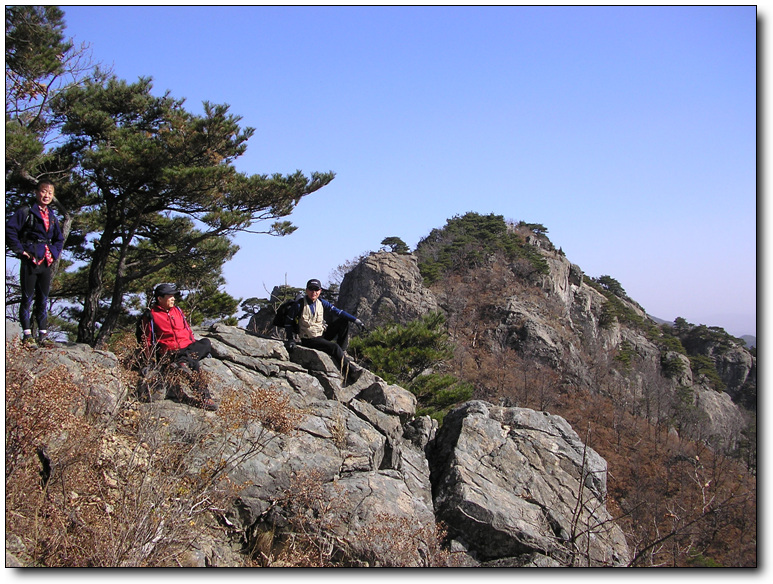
629 132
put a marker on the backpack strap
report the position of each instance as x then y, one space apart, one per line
29 221
148 315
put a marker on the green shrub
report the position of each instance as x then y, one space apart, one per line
469 241
437 393
702 365
406 355
672 366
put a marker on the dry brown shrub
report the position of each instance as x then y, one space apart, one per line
404 542
52 488
314 511
127 491
270 407
675 500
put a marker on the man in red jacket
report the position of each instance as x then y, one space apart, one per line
168 332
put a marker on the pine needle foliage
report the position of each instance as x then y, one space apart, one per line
471 241
413 356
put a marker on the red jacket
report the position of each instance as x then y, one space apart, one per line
169 331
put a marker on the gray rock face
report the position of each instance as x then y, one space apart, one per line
512 482
734 367
504 480
96 373
557 322
386 287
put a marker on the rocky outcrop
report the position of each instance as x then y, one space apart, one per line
363 469
721 423
97 376
386 287
514 483
561 324
734 366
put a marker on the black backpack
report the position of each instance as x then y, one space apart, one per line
28 224
280 318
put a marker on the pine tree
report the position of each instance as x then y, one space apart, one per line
160 190
396 245
412 356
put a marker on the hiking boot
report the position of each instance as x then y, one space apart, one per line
182 366
208 405
44 341
29 341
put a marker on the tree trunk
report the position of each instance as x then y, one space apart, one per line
87 323
66 225
116 302
113 312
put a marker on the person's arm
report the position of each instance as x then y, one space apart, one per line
186 327
342 313
12 233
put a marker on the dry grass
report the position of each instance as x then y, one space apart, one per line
121 492
138 490
313 516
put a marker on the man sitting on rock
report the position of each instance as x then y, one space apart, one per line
306 319
167 332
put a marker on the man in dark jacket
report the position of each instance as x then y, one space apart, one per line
33 234
306 319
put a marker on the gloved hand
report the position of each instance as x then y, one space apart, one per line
290 345
360 324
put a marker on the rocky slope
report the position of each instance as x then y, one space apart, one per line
512 486
560 321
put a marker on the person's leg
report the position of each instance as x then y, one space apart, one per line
42 288
338 332
193 353
27 279
190 356
329 347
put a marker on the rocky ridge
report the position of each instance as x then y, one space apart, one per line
506 482
562 326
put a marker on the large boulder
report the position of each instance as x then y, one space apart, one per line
386 287
512 482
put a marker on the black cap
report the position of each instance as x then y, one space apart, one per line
313 285
164 290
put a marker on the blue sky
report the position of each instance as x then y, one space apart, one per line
629 132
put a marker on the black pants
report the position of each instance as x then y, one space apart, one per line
35 284
193 353
333 341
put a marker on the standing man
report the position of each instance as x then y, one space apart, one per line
306 318
33 234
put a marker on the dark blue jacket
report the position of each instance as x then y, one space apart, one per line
34 241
